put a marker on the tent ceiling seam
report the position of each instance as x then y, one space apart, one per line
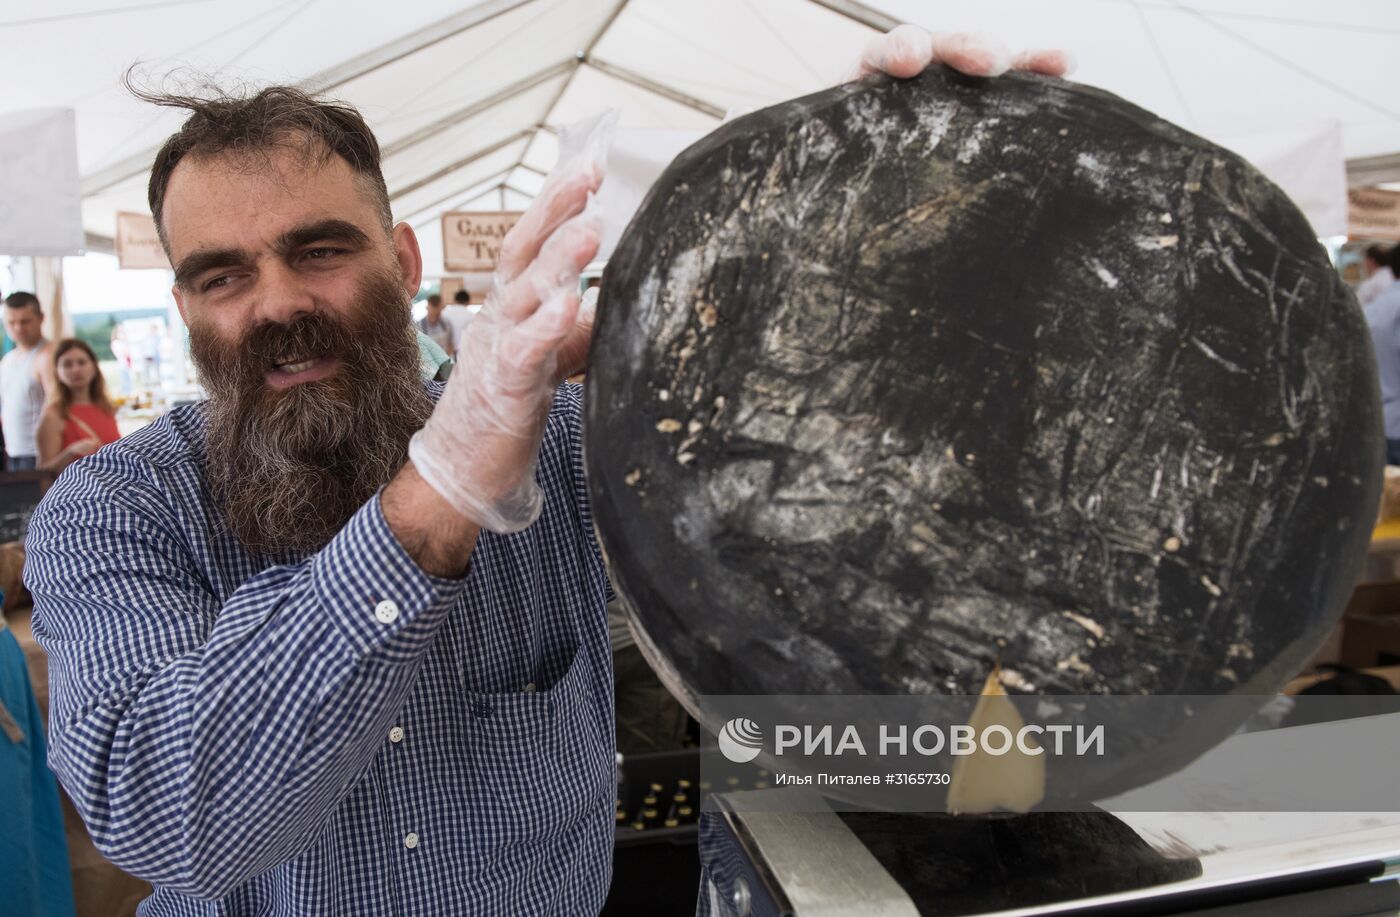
92 14
301 8
426 37
579 58
782 40
479 107
1285 62
456 194
1280 20
655 87
859 12
1162 59
460 164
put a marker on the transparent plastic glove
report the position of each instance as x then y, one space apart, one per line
908 50
480 446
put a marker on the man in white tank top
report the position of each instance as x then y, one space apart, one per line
26 377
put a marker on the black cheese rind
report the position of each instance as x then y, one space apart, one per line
904 377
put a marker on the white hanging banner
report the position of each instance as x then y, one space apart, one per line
1307 163
636 160
40 201
138 243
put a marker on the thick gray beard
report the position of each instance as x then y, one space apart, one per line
289 471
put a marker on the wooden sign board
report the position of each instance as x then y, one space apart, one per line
1373 214
447 289
472 241
138 243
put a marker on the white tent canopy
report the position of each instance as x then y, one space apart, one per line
466 98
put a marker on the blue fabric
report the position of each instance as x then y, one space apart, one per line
223 721
34 876
1392 451
1383 319
430 357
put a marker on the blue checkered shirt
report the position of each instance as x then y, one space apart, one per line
333 734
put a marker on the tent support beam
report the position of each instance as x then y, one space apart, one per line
102 245
1373 170
579 58
480 105
861 13
461 195
652 86
342 73
460 164
440 31
497 98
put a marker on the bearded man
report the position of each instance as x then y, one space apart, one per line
308 658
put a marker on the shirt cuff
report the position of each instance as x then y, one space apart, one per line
375 593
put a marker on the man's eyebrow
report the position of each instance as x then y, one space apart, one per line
342 231
201 260
197 262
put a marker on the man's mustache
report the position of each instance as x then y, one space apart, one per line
308 335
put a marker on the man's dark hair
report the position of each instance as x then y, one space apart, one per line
1393 259
461 297
275 119
23 300
434 300
1379 254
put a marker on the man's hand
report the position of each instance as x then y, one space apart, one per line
573 352
478 449
909 50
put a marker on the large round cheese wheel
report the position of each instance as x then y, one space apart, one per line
908 376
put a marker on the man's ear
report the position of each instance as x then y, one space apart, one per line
179 304
410 258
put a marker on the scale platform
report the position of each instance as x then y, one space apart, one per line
766 854
813 864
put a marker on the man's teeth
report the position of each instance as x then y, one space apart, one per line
296 367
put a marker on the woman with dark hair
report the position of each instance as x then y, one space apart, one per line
78 418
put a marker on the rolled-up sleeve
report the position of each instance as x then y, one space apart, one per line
206 739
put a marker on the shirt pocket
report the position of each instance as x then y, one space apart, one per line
539 760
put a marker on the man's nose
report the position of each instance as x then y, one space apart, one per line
283 294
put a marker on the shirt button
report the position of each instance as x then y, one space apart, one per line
386 612
410 840
530 688
396 734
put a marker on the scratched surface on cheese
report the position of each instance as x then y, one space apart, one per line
907 376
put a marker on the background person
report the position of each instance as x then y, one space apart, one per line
78 418
1379 275
34 877
1383 321
26 379
434 327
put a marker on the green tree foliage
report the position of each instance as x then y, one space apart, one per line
98 336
